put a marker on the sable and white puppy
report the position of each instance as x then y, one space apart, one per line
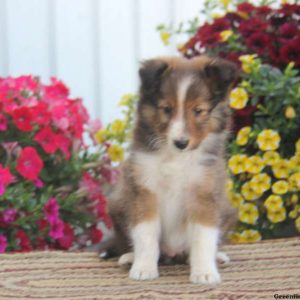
171 196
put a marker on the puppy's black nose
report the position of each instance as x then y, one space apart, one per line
181 144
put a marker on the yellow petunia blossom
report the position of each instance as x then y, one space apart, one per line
216 15
101 136
229 186
115 152
247 62
268 139
260 183
225 2
295 162
280 187
277 215
290 112
294 181
249 192
294 199
293 213
126 99
117 127
248 213
250 236
273 202
165 37
238 98
243 136
236 163
297 223
254 164
236 199
225 35
281 169
298 144
271 157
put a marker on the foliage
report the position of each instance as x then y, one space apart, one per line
52 183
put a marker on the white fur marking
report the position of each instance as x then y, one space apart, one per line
203 243
145 237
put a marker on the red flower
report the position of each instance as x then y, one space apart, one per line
56 89
22 118
23 241
5 179
47 139
263 10
251 26
288 30
245 7
290 9
219 25
291 52
243 117
29 163
96 234
64 144
258 42
68 238
3 122
41 114
51 209
57 229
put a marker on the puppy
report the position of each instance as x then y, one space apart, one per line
171 198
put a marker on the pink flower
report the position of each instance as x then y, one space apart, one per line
38 183
47 140
3 122
3 243
68 238
51 209
41 114
56 89
29 163
89 185
23 118
9 215
5 179
57 229
96 234
64 144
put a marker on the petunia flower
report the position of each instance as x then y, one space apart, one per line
51 209
57 229
5 179
47 139
3 243
23 118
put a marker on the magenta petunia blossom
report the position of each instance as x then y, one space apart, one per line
51 209
5 178
3 243
57 229
9 215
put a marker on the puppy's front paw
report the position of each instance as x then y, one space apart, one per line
205 277
143 272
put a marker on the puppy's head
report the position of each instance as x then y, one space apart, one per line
182 101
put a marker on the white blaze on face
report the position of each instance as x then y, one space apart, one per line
177 127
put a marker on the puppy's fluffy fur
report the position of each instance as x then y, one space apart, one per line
171 196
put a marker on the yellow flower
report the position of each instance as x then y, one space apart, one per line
277 215
236 199
165 37
280 187
125 100
281 169
238 98
225 2
273 202
247 62
250 236
271 157
260 183
243 136
101 136
115 152
298 144
117 127
245 84
237 163
268 140
294 199
295 162
229 187
294 181
248 213
297 223
254 164
216 15
293 213
249 192
290 112
225 35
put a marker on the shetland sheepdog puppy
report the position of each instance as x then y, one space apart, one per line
171 198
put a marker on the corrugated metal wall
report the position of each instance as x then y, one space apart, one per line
93 45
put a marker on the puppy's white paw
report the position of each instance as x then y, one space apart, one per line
205 277
126 259
143 272
223 258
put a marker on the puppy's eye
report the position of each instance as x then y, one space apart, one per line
167 110
197 111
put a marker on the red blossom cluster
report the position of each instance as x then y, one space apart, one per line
273 34
41 139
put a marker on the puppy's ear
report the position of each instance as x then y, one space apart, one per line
151 72
220 74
